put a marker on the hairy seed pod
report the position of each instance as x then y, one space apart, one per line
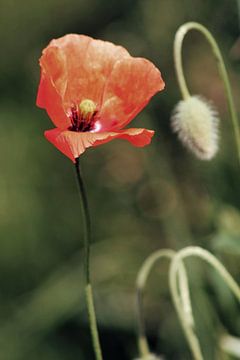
196 122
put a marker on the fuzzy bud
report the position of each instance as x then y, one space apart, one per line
196 122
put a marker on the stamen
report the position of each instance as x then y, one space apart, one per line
83 116
87 109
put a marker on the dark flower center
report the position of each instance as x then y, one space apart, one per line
83 116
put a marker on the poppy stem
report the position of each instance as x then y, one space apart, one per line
180 35
87 244
141 281
195 251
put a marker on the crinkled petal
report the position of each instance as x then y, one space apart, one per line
78 67
73 144
49 99
131 85
88 77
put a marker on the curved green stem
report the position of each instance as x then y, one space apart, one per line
88 287
142 278
230 345
182 31
227 278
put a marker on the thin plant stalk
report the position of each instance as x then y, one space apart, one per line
142 278
173 278
87 244
181 33
238 7
230 345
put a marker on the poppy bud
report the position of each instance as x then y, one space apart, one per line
196 123
87 108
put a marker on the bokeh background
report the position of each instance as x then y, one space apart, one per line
141 199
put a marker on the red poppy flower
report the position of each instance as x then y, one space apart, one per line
91 89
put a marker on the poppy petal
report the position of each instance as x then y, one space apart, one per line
131 85
79 67
73 144
88 77
49 99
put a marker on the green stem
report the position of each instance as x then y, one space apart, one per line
238 7
230 345
182 31
87 241
142 278
227 278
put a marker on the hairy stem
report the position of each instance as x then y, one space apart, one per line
142 278
226 277
87 243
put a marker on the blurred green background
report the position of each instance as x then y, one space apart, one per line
141 199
